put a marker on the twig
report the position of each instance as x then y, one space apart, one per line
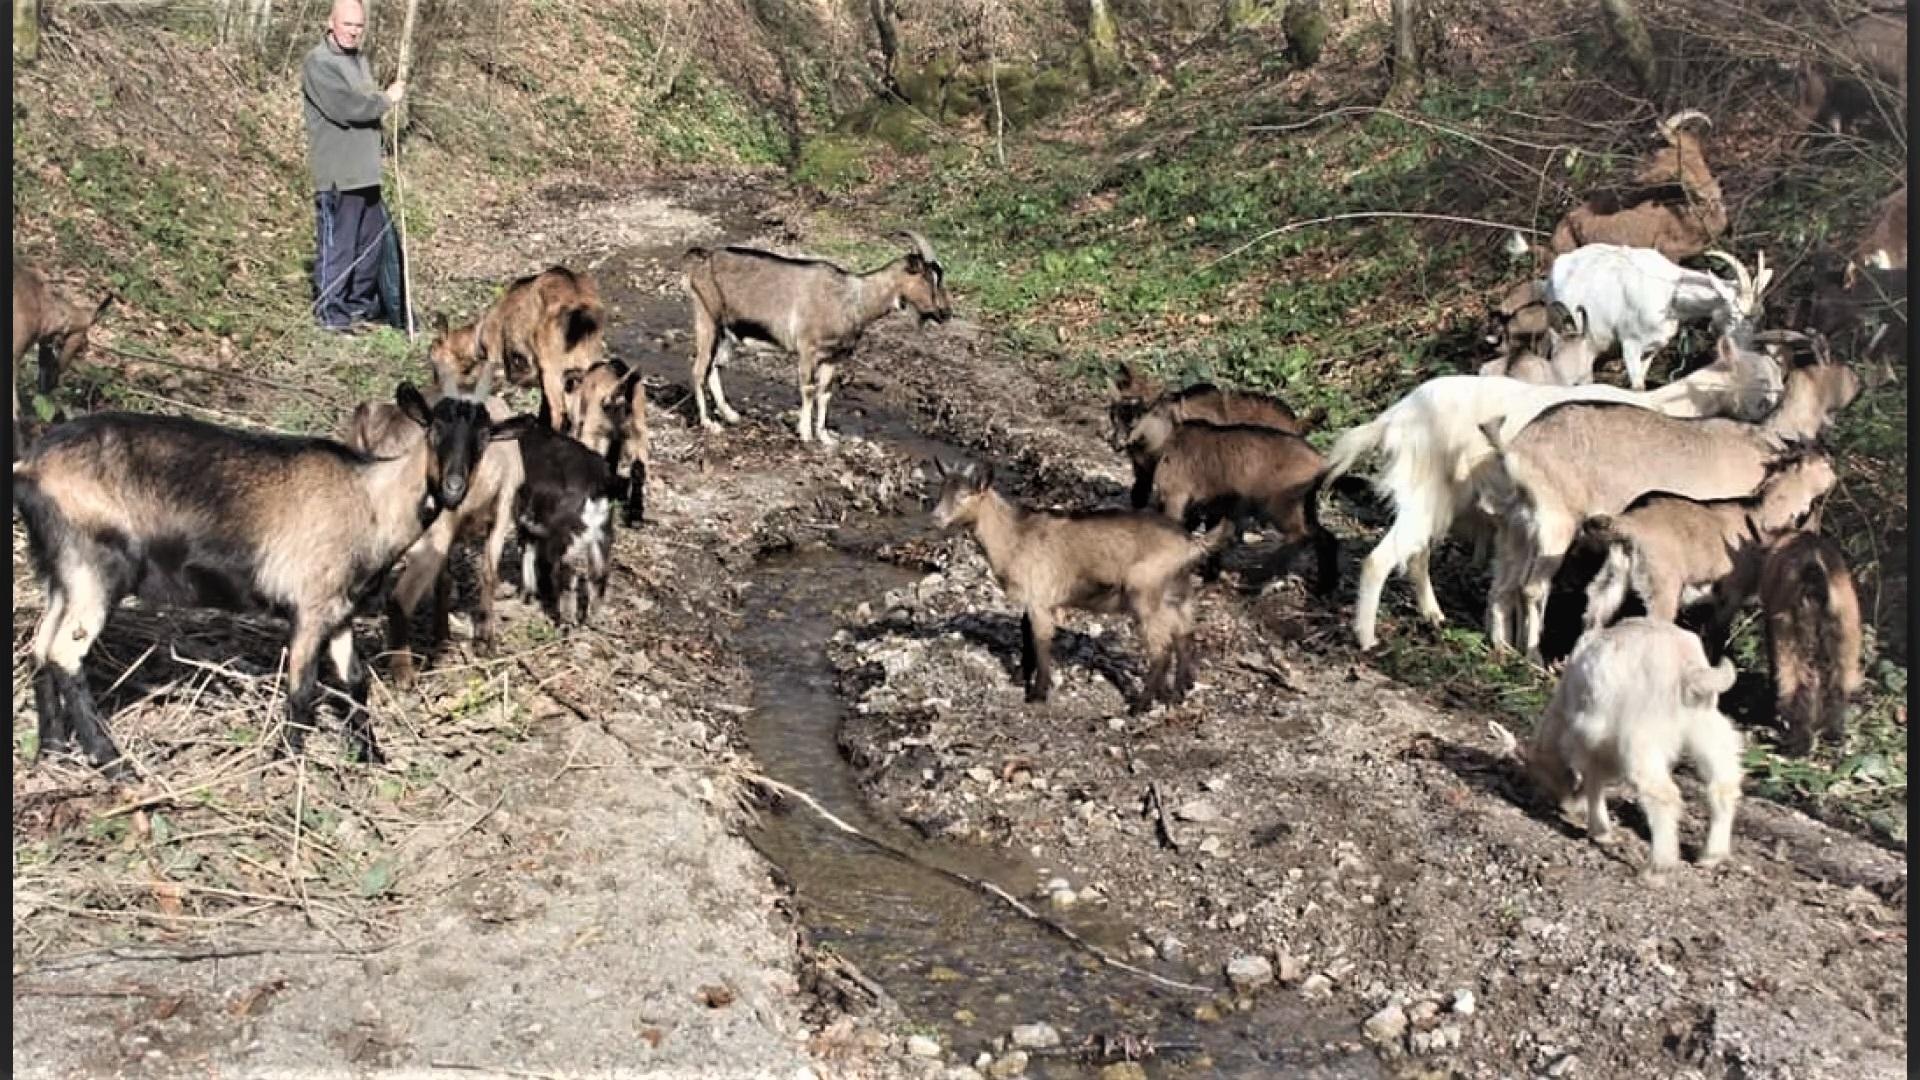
218 373
975 883
1160 813
1361 214
470 1067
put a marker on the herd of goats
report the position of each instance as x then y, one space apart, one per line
1699 493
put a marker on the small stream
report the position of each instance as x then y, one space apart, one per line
954 958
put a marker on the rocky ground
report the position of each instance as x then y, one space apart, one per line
579 898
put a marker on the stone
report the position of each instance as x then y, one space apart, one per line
1317 985
1387 1025
1248 973
922 1046
1463 1002
1564 1067
1124 1070
1035 1037
1198 811
1010 1064
1171 949
1290 969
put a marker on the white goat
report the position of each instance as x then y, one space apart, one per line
1433 447
1636 298
1636 698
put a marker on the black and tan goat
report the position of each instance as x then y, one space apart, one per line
43 317
1203 473
1137 395
809 307
486 514
1100 561
608 414
564 521
1813 637
184 513
1673 551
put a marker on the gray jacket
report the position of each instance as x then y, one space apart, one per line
343 108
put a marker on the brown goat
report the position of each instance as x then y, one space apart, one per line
1839 89
454 355
379 429
544 326
1813 637
1138 395
608 406
809 307
43 317
1100 561
1205 472
1675 207
1519 321
1884 245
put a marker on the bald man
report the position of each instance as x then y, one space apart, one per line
343 110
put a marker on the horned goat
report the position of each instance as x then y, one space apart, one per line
43 317
184 513
1813 637
1636 699
1841 88
1679 224
486 514
1580 459
1636 298
1137 396
1433 448
808 307
1204 473
1673 551
1101 561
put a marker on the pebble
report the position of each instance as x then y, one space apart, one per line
922 1046
1210 846
1063 898
1423 1013
1387 1025
1317 985
1035 1037
1564 1067
1012 1063
1249 972
983 1060
1171 949
1443 1038
1463 1002
1289 969
1199 811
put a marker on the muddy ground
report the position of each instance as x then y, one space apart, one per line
588 903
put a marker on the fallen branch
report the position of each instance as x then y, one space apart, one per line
1160 814
1360 214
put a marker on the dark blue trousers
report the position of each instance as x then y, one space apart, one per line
348 227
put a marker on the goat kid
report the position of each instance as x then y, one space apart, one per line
1813 638
608 407
1205 473
43 317
563 518
1099 561
1871 51
184 513
1138 396
1636 699
1673 551
809 307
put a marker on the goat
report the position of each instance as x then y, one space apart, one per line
609 411
1580 459
1677 227
808 307
1813 637
1137 396
1861 309
1636 298
383 430
184 513
1571 364
542 327
1519 320
1204 473
1101 561
43 317
1524 366
1884 244
1635 699
1673 551
1433 448
1871 48
454 355
564 523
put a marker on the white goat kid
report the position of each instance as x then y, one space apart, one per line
1636 698
1636 299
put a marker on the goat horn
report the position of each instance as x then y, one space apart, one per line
1739 272
1668 127
919 243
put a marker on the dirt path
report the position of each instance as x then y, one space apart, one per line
587 903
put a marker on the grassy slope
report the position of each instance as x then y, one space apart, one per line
1113 235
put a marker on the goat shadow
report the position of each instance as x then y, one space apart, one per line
1001 635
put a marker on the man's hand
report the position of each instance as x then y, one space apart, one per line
397 91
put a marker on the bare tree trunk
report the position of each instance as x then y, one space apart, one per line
1406 49
882 11
1634 40
26 30
999 115
1103 42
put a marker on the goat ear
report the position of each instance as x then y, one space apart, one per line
1124 380
983 478
413 404
513 427
1560 320
440 322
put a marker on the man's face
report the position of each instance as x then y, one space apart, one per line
347 22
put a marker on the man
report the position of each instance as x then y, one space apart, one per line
343 111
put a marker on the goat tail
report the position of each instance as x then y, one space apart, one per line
1509 746
1702 687
1354 444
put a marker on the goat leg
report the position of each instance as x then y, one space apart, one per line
303 683
823 393
399 654
353 676
83 612
54 729
635 499
1038 627
723 355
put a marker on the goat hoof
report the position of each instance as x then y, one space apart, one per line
710 424
1712 859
